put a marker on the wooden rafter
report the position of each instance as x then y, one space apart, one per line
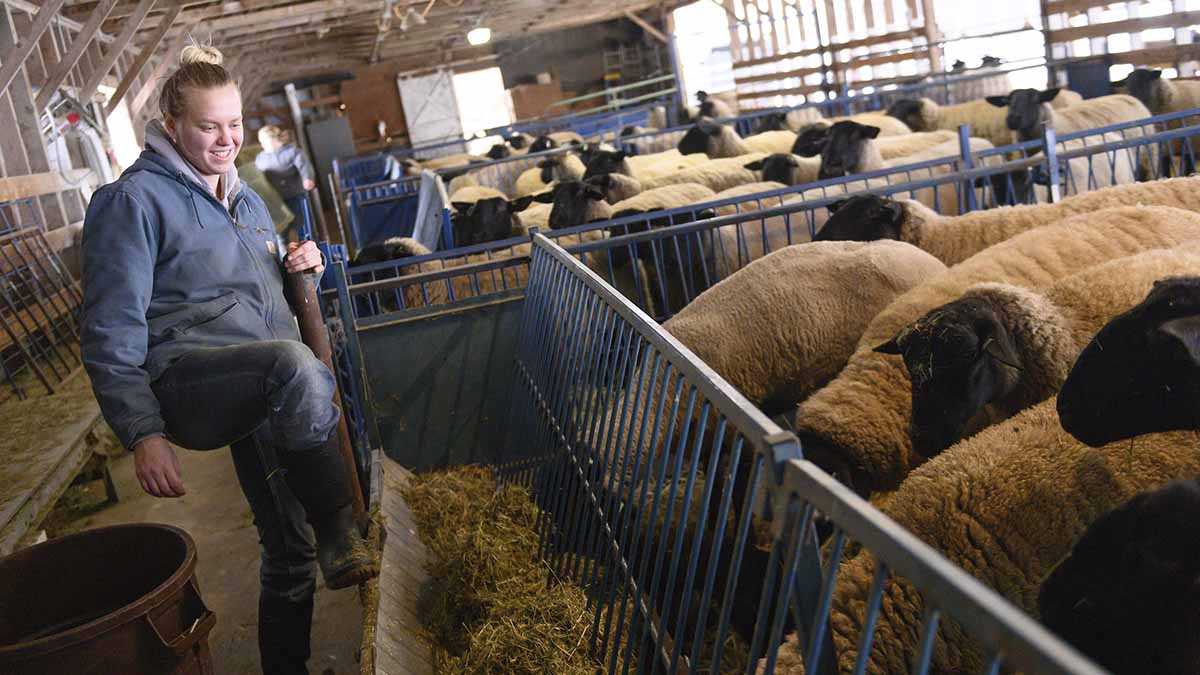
114 51
82 39
143 57
14 57
150 84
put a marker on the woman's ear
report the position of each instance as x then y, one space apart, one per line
169 125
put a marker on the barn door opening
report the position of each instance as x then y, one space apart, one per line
430 108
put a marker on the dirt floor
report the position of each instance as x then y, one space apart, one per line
217 516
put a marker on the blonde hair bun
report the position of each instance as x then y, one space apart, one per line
201 54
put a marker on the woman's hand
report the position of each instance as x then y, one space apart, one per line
303 256
157 468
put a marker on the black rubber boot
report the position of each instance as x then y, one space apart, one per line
341 552
283 634
318 479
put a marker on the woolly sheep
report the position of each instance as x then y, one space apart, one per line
1162 96
1029 111
852 149
986 120
487 218
472 193
953 239
715 174
548 171
1141 373
642 167
616 186
751 192
1126 596
798 292
720 140
996 83
811 138
999 349
790 120
451 161
575 203
786 168
717 106
1005 506
857 424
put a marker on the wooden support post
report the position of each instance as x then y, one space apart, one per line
170 56
645 25
148 49
14 57
932 36
114 51
67 62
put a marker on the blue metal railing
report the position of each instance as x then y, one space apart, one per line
647 468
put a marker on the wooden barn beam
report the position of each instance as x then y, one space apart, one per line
114 51
82 39
69 24
151 84
646 26
143 57
14 57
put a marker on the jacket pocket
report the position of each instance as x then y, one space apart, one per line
168 326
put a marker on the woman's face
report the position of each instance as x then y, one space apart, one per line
209 133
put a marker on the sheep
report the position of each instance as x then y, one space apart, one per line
1141 372
575 203
811 139
720 140
787 168
851 148
1029 111
486 218
548 171
788 120
1126 595
857 424
637 141
656 117
978 87
986 120
616 186
462 198
1163 96
451 161
461 181
751 192
555 139
999 349
715 174
641 167
1005 506
953 239
717 106
795 291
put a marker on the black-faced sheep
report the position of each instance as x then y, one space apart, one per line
811 139
1141 373
999 349
1029 111
720 140
549 170
857 425
1127 596
1005 506
953 239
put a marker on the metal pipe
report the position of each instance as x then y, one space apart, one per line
301 291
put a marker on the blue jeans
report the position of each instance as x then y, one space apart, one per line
275 393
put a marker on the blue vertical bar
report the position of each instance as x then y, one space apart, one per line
1050 151
964 147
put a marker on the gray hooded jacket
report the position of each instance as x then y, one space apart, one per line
169 268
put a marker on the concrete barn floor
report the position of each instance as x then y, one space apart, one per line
216 515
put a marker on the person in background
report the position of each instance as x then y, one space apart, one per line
287 168
188 340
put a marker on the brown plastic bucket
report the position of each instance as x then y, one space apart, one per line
119 599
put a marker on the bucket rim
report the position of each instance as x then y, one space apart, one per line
127 613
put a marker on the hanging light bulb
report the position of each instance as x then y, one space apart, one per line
479 36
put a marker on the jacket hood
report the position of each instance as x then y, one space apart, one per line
159 143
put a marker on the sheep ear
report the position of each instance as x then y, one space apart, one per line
869 131
522 203
1001 350
1155 74
1186 330
835 206
756 165
709 127
620 155
461 207
889 347
546 197
998 101
1047 95
701 95
593 193
792 161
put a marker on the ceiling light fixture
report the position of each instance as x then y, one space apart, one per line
479 36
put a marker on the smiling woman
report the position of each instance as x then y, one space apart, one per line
209 131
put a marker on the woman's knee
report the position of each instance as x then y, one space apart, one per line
296 367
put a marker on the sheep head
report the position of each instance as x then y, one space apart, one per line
846 150
960 357
1141 373
863 218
